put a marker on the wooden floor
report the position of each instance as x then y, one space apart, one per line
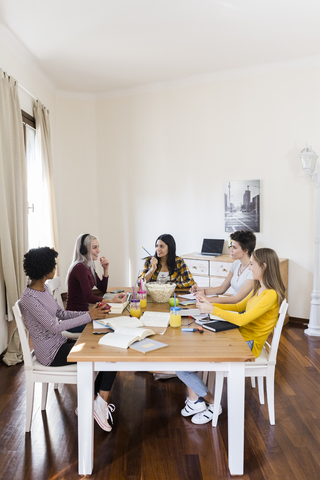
150 439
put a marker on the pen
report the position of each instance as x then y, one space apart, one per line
199 329
100 333
147 252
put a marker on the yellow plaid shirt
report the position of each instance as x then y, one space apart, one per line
181 275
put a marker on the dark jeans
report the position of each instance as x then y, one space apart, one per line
78 329
104 380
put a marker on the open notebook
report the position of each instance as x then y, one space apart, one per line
123 337
148 319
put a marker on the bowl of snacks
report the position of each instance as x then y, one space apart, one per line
160 292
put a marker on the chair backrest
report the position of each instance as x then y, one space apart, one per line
53 285
277 332
24 336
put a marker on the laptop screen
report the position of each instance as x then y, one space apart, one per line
212 246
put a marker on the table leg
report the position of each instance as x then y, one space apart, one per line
236 390
85 418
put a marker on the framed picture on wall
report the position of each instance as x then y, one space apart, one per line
242 205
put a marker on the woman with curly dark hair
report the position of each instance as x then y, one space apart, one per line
45 320
240 277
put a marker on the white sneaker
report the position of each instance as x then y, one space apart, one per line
205 416
102 412
193 407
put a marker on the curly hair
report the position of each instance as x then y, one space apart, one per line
246 240
39 262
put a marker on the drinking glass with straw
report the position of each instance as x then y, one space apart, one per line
135 308
142 295
175 315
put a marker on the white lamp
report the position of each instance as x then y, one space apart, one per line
312 171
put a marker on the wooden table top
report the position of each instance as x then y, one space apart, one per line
228 346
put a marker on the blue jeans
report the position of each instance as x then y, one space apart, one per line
195 383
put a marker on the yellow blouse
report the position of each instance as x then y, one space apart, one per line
259 317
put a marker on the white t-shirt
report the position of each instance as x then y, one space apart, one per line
163 277
237 281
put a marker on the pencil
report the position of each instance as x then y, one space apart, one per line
147 252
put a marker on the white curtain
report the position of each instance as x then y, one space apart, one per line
13 206
43 149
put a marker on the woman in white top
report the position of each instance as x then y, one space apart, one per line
240 277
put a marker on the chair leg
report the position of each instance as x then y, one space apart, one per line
44 396
261 390
29 402
217 397
253 382
270 393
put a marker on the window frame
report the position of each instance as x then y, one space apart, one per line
27 120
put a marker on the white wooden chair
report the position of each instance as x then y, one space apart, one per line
54 285
264 366
36 372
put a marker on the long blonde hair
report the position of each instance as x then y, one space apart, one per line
79 258
268 260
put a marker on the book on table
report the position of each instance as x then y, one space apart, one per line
123 337
148 319
218 325
147 345
116 308
155 319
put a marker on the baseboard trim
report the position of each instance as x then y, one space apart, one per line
300 321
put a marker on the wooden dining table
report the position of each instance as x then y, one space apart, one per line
224 351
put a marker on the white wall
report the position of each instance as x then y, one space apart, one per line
167 155
130 168
78 210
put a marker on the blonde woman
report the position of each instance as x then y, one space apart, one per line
256 315
82 277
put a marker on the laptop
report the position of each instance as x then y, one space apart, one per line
212 247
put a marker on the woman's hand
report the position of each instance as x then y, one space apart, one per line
154 263
200 294
99 311
204 305
195 289
120 298
104 263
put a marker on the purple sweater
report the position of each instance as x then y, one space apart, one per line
80 284
40 311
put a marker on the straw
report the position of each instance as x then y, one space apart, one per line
134 293
175 303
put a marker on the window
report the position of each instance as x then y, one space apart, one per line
39 215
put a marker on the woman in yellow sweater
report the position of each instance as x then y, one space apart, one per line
258 316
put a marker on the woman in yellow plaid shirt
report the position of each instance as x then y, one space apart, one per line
165 266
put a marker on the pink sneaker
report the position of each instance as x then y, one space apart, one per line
102 412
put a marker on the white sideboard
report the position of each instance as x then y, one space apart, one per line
210 271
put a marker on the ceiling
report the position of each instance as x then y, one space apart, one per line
98 46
